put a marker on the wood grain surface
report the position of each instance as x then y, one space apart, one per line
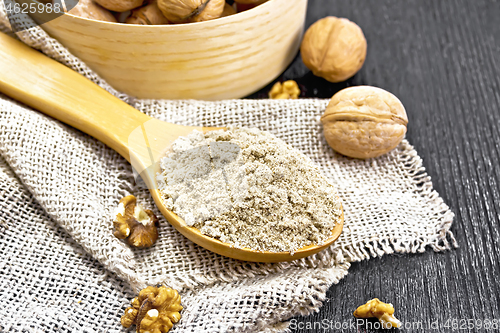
442 59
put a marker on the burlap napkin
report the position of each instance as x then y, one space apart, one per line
54 177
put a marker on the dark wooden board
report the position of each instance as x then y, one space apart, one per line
442 59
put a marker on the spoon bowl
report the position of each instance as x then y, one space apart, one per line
49 87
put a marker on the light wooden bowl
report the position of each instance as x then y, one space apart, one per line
225 58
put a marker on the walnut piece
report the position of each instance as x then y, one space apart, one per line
289 89
183 11
364 122
382 311
137 226
155 310
334 48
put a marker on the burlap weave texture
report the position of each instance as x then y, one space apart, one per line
55 178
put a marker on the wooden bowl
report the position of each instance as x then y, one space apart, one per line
226 58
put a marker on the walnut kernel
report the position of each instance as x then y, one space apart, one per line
137 226
155 309
289 89
334 48
364 122
382 311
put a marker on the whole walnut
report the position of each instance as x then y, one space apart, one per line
334 48
147 15
120 5
182 11
364 122
89 10
213 10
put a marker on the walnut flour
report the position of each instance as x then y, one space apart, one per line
250 189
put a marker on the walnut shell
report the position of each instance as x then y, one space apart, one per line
120 5
147 15
364 122
182 11
90 10
334 48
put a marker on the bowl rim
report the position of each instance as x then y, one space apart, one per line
179 26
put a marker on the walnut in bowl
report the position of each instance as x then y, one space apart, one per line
210 60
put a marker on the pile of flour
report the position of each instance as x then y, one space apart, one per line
250 189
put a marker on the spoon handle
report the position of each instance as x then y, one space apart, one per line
54 89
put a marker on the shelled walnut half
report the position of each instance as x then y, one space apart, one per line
137 226
155 310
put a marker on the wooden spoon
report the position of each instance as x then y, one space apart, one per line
52 88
